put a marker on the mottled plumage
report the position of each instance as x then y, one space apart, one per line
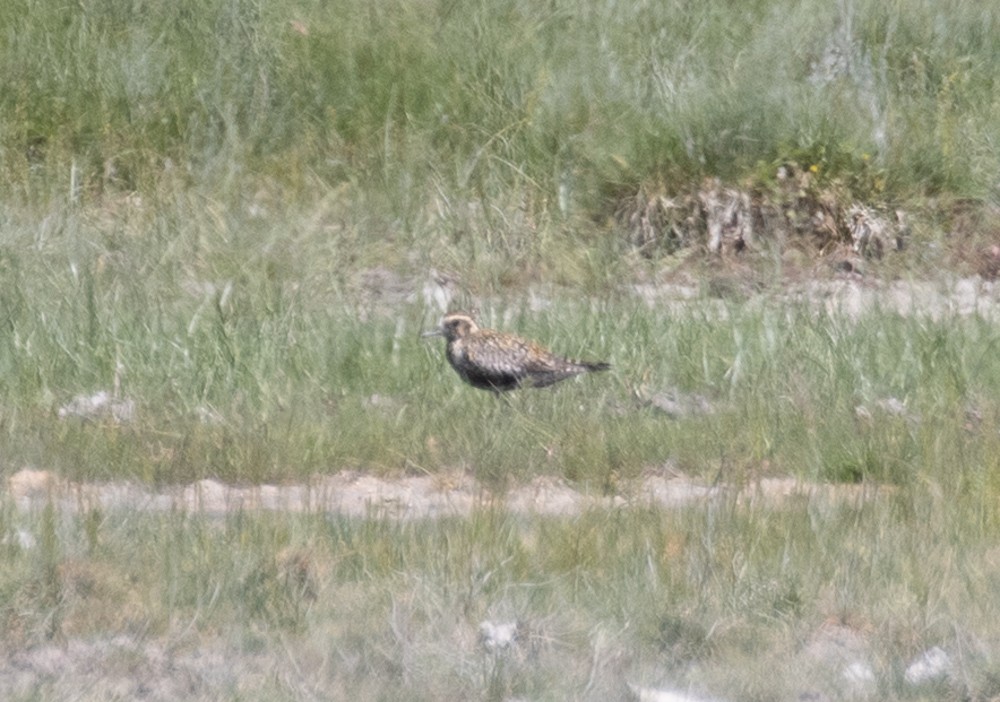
492 360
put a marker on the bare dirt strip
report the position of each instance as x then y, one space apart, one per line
355 494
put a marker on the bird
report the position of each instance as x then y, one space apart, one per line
499 362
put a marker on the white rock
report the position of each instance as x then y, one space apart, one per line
932 664
859 675
86 406
100 404
24 539
497 637
652 694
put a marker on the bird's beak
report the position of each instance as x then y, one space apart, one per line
432 332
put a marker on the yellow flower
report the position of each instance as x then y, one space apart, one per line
814 168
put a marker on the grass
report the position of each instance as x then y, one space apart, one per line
252 380
542 112
236 215
723 599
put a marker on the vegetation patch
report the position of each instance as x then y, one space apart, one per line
226 223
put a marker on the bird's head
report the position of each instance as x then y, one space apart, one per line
455 325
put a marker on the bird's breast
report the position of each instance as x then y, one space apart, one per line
457 356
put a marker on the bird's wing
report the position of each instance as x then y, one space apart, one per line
500 355
541 360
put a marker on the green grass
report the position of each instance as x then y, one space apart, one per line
257 367
538 109
226 211
253 377
719 597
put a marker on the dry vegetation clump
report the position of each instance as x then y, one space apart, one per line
794 210
971 237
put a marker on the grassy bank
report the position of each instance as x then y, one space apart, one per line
551 110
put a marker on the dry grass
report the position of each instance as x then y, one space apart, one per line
730 599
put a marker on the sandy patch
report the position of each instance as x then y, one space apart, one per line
354 494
